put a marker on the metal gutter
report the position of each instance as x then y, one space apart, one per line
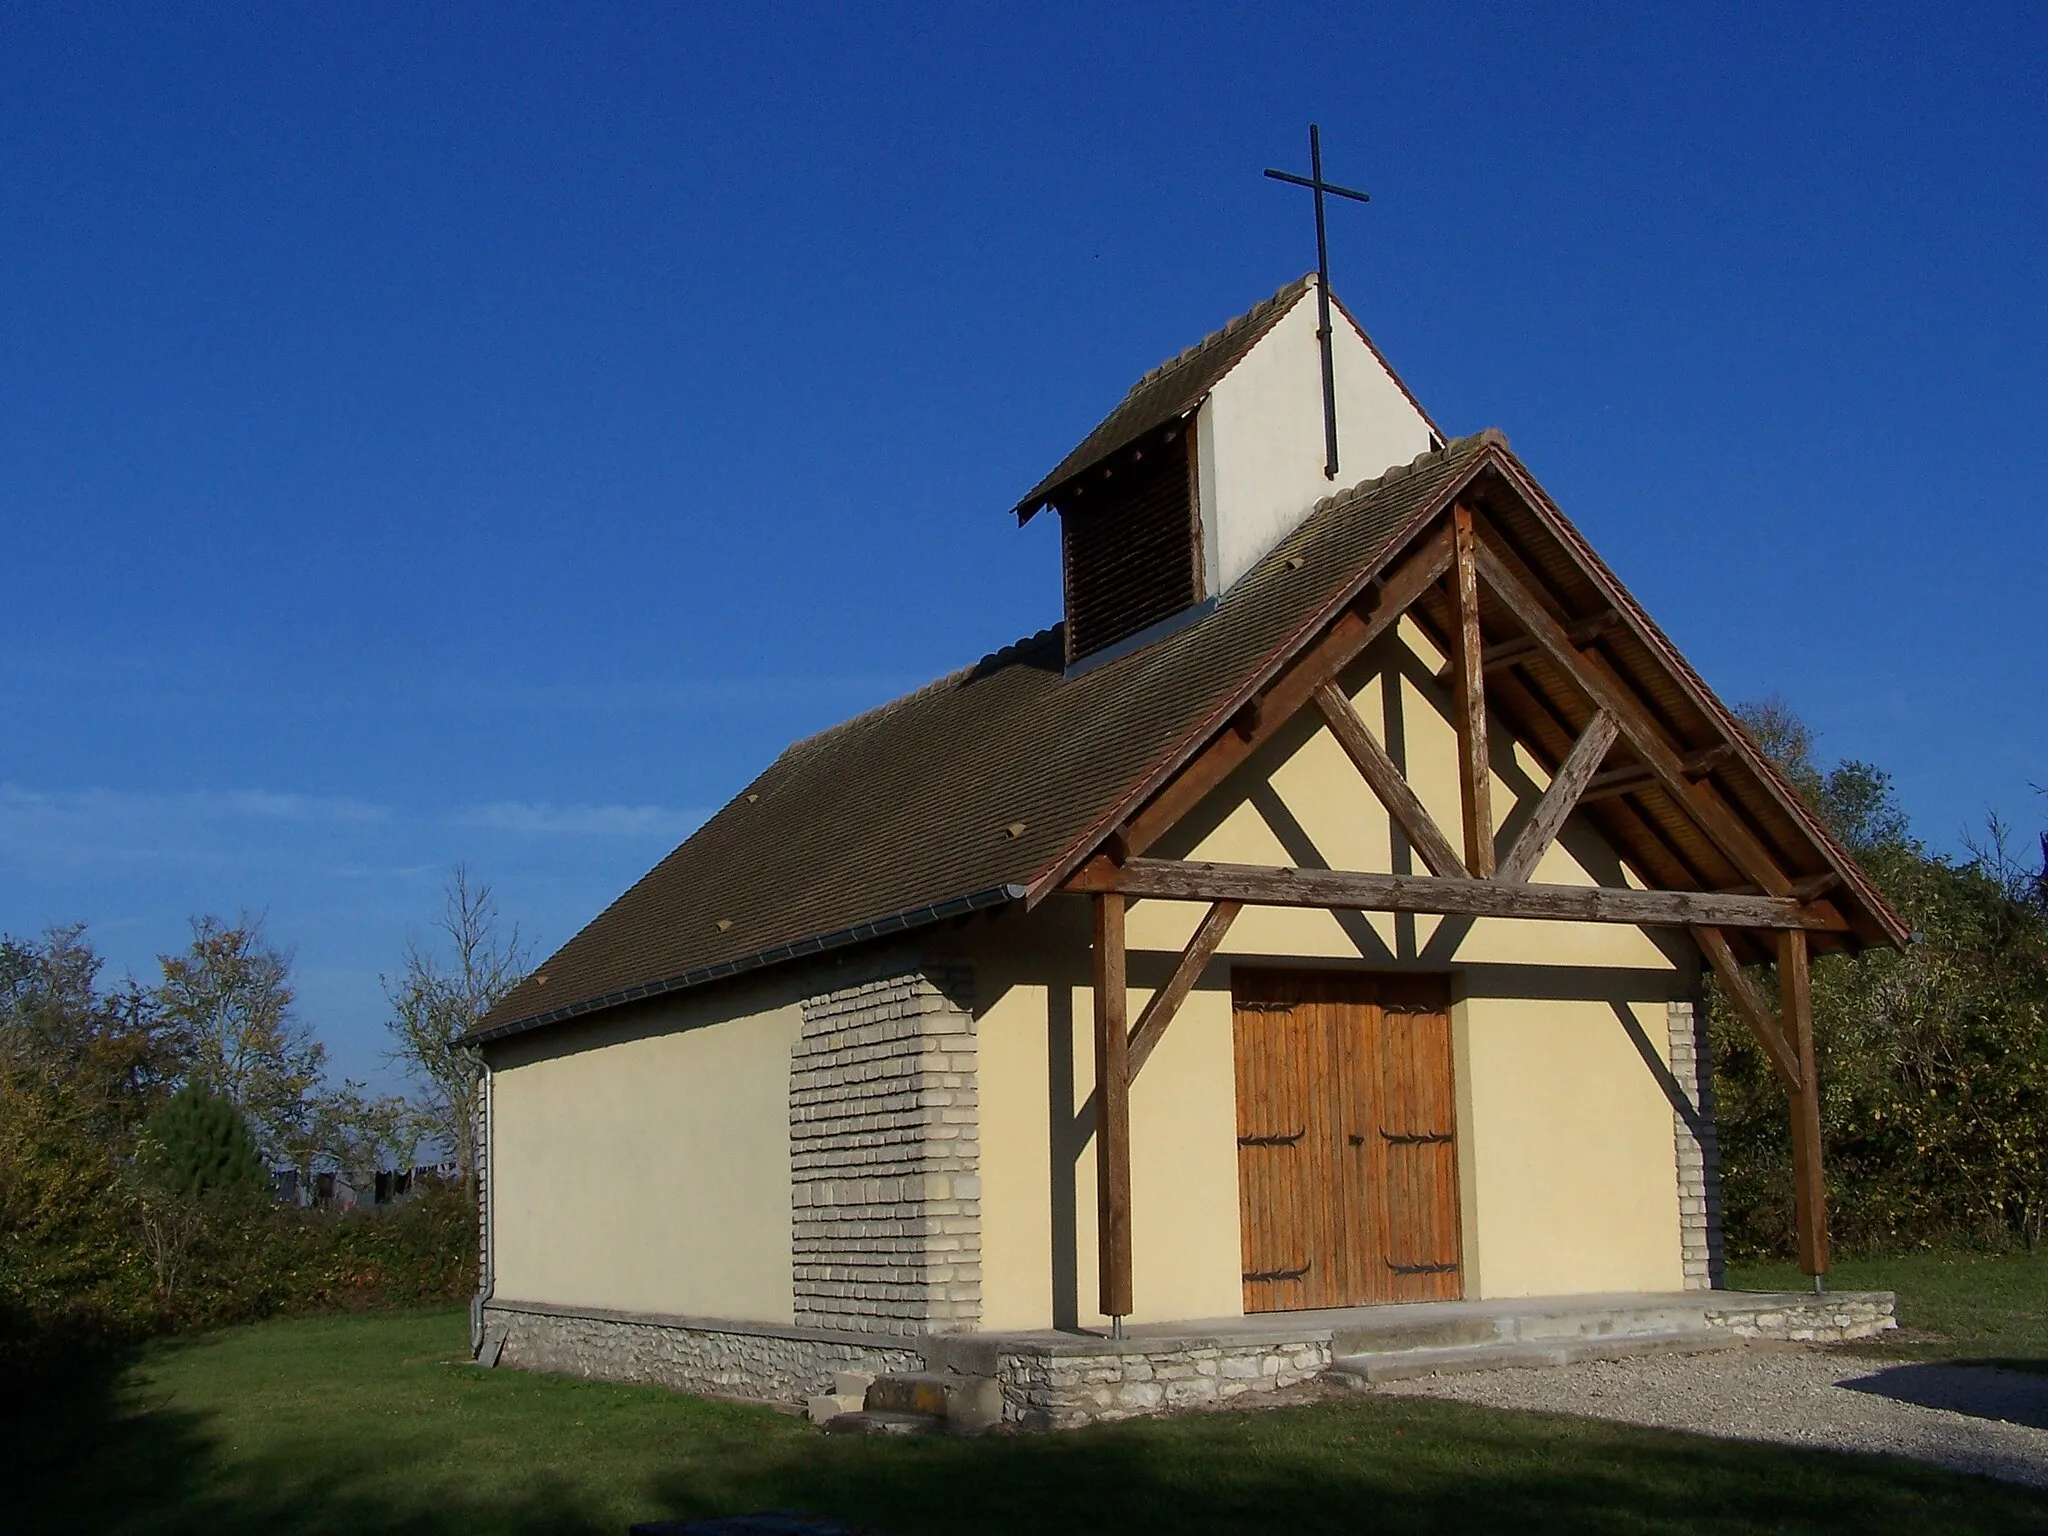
859 933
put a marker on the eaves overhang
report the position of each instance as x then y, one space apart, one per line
779 954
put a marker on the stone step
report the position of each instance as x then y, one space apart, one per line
1360 1370
964 1404
827 1406
870 1421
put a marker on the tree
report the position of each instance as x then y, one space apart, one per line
360 1134
111 1055
231 995
436 1000
80 1069
1933 1062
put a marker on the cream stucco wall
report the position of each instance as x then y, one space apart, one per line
643 1165
1259 438
1567 1170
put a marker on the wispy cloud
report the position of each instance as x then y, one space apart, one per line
583 820
20 806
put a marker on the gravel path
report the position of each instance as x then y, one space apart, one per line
1967 1417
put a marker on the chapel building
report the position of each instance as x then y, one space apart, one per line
1307 930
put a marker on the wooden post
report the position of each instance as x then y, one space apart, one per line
1112 1111
1809 1189
1468 664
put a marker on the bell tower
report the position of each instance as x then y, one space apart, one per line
1210 461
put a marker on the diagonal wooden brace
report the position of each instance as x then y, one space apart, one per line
1378 770
1352 631
1165 1003
1573 774
1749 1002
1698 800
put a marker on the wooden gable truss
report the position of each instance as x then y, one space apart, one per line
1544 641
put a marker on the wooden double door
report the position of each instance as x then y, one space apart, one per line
1347 1158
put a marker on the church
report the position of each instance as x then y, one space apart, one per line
1293 957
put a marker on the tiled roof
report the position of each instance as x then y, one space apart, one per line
987 786
967 791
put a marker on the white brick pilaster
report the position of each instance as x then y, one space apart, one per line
885 1156
1698 1152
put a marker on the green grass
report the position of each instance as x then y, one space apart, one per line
376 1424
1952 1306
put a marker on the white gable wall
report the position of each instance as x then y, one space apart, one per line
1259 438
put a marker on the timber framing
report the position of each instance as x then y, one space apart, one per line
1346 890
1497 581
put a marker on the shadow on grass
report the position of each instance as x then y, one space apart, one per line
1418 1467
90 1449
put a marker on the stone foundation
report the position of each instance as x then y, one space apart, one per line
1051 1380
1061 1391
1795 1319
703 1355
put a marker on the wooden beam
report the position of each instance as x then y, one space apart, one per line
1468 697
1165 1003
1507 653
1806 888
1566 785
1354 629
1112 1110
1259 885
1809 1187
1749 1002
1630 777
1698 800
1646 846
1387 782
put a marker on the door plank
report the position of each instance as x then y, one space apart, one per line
1418 1129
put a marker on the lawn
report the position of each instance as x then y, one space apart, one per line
375 1424
1983 1307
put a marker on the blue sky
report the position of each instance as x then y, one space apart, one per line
491 433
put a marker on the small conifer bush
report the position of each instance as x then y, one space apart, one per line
199 1144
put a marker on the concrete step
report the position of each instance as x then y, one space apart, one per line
1399 1365
1381 1330
1364 1369
871 1422
1676 1341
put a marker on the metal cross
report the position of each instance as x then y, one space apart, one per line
1315 183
